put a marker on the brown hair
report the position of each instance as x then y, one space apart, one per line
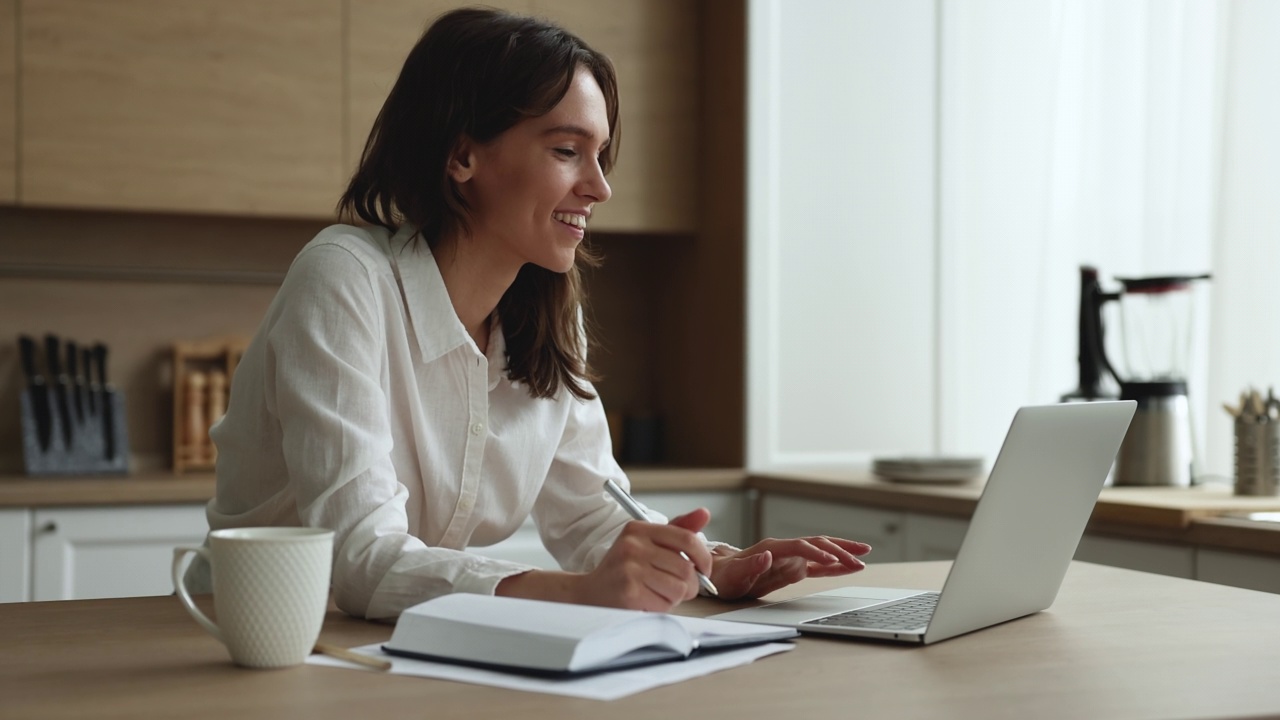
475 73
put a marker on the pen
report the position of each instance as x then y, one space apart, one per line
634 510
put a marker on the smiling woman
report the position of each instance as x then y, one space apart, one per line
420 383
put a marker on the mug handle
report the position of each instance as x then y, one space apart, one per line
179 583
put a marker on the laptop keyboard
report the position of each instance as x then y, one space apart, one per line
909 614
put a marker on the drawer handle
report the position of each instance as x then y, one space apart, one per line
891 528
49 527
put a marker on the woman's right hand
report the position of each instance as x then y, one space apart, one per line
643 569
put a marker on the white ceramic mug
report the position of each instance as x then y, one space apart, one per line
270 591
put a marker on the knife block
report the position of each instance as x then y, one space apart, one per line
88 452
202 374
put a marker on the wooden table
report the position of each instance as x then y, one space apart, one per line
1116 643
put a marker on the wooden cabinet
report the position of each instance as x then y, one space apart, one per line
8 100
15 554
654 46
81 553
232 106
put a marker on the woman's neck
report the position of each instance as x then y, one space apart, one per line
475 283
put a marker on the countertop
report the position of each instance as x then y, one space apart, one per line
1204 516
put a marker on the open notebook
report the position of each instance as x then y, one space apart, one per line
558 639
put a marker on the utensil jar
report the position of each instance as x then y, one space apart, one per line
1257 457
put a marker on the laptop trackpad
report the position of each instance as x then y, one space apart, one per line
802 609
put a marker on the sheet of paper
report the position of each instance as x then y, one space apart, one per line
604 686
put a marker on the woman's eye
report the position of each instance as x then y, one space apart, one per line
566 152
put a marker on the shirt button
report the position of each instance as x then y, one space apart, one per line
475 429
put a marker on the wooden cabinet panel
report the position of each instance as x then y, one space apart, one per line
380 34
654 49
226 106
653 44
8 100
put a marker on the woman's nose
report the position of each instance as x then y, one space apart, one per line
596 186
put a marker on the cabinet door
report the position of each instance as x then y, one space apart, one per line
82 553
654 47
8 100
1159 558
932 537
15 554
220 106
728 511
784 517
1255 572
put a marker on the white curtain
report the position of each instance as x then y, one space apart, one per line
1139 136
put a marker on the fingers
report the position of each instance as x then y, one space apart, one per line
820 550
644 569
736 577
693 521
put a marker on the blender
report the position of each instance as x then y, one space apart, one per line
1148 358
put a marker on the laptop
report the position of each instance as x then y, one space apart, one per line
1024 532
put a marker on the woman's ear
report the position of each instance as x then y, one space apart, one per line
462 161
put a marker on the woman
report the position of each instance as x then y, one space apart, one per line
420 385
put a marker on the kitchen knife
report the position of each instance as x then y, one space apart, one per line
108 407
77 385
90 388
38 390
53 358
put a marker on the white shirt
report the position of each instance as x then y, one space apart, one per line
362 405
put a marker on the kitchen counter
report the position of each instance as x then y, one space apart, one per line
1196 516
167 488
1201 516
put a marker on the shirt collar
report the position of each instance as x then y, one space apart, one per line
431 312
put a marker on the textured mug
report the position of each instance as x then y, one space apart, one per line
270 591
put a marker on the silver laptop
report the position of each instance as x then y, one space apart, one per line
1024 532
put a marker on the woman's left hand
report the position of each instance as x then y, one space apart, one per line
772 564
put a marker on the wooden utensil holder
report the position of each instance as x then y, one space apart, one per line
202 374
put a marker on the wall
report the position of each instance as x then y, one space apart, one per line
840 226
926 178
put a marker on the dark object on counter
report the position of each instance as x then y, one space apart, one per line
90 387
73 375
57 440
37 393
642 439
53 361
108 400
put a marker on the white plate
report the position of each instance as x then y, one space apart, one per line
928 470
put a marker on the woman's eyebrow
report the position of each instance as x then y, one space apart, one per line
577 130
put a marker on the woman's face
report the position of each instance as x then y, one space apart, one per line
532 189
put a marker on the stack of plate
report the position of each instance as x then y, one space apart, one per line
928 469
